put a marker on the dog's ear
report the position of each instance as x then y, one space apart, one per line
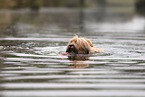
89 41
83 46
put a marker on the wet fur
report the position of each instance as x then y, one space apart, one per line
81 46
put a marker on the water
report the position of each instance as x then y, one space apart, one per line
31 42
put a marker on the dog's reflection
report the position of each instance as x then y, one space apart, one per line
78 61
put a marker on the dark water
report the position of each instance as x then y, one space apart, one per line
30 43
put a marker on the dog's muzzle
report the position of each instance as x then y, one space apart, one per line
71 48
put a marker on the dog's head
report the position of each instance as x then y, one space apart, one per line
79 46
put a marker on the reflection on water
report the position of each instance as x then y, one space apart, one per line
31 64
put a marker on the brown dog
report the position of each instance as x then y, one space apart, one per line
81 46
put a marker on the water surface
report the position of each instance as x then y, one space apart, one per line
31 64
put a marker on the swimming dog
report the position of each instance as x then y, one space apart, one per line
81 46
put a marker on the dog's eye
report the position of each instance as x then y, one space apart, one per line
71 41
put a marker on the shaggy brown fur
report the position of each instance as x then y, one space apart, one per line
81 46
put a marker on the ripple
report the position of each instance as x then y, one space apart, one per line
74 86
84 93
36 39
76 76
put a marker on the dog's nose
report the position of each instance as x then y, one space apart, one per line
71 46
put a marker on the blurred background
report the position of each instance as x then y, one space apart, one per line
62 14
37 4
